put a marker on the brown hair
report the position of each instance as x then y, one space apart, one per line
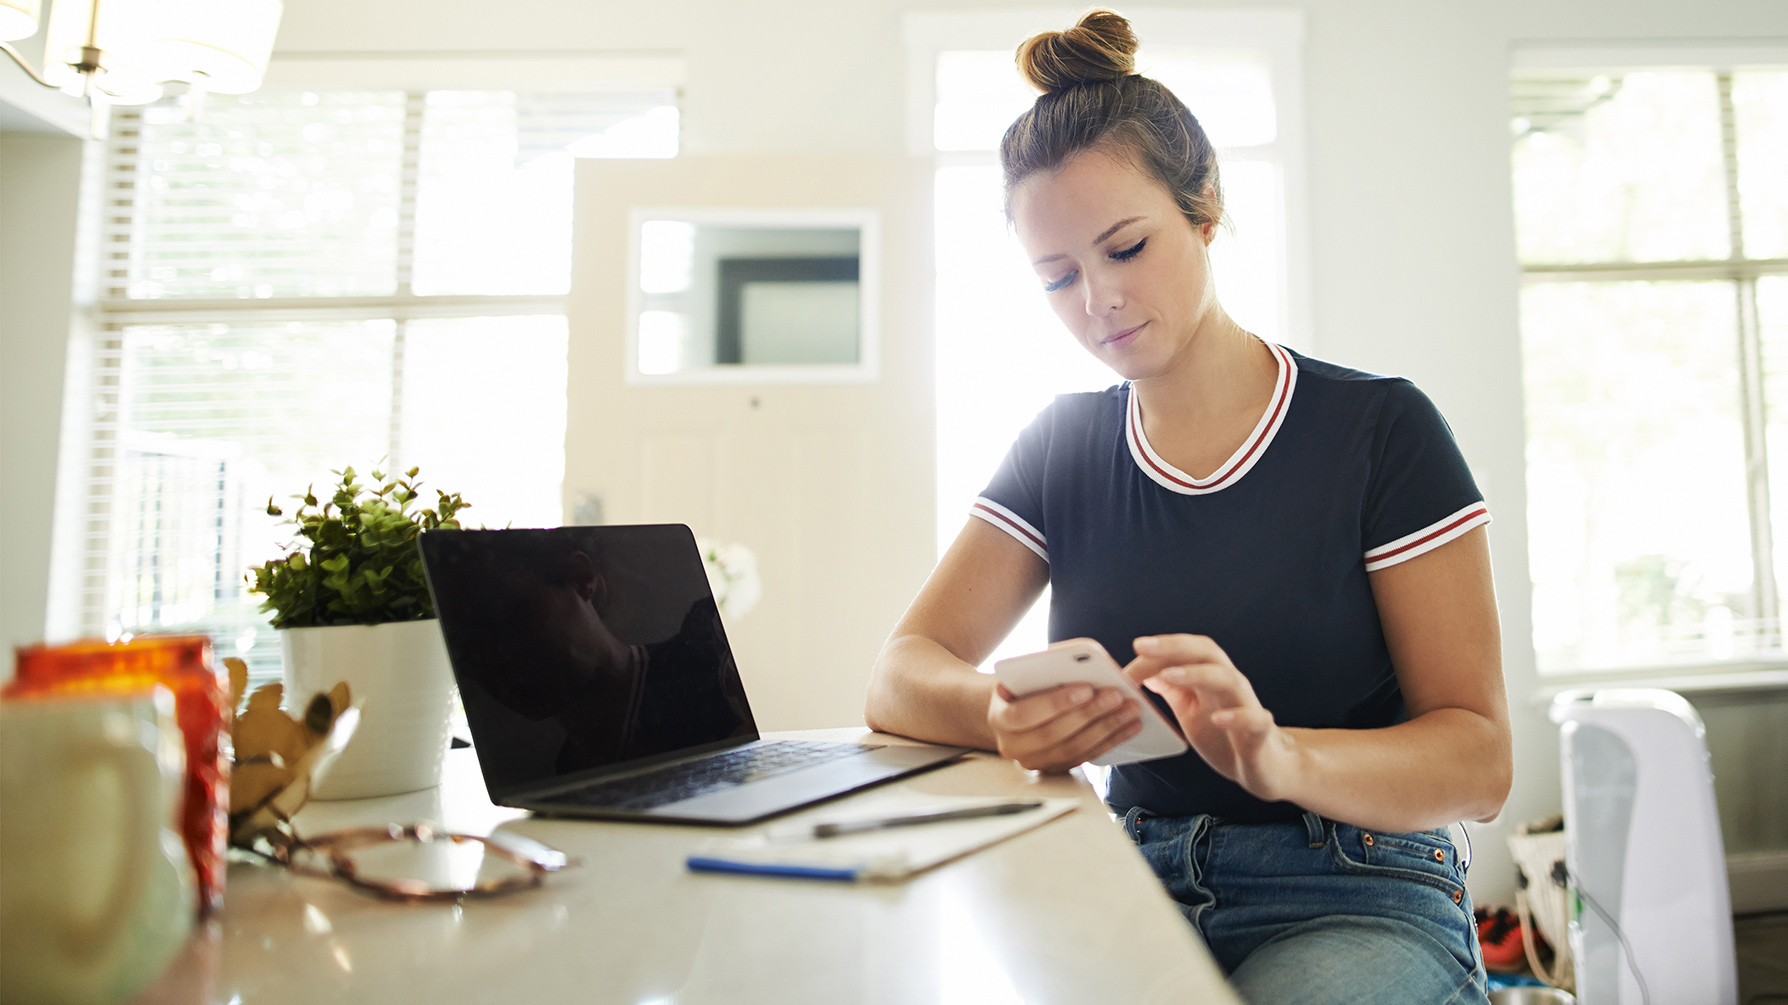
1093 99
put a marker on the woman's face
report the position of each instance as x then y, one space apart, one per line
1122 267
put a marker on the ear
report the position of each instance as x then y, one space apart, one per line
583 575
1209 230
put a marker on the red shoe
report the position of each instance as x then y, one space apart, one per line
1499 935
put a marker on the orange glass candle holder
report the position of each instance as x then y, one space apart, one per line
182 664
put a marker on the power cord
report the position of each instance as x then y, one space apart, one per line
1561 876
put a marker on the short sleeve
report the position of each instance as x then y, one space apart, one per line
1013 500
1420 494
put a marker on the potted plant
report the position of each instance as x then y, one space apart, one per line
350 603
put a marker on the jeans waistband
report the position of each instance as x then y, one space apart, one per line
1316 828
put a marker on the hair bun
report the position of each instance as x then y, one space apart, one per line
1100 46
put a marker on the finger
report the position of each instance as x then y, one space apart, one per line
1248 732
1041 708
1244 725
1061 731
1221 686
1157 652
1144 668
1110 731
1091 740
1102 735
1184 701
1176 642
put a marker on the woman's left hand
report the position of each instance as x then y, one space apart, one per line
1218 712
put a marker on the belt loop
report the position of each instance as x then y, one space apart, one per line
1132 817
1461 839
1313 824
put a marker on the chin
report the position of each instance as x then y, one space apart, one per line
1130 365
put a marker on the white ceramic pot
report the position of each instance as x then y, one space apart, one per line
400 677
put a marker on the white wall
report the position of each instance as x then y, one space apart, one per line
1412 236
40 188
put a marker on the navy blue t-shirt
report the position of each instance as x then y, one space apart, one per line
1346 473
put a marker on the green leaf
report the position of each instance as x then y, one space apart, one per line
359 563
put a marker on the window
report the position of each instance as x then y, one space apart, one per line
309 278
1001 354
1652 222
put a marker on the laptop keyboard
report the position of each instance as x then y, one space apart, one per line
694 778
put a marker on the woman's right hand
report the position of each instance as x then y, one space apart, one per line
1063 727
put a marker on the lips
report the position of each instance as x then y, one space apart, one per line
1120 339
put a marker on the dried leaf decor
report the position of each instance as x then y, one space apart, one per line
277 756
356 562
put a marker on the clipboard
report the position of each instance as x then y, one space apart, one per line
790 850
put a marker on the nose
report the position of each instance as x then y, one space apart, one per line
1103 295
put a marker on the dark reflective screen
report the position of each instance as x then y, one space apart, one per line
577 648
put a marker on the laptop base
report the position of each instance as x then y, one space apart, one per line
764 798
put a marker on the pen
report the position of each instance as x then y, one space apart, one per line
859 826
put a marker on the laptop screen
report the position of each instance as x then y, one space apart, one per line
581 648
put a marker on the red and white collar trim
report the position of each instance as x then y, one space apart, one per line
1239 463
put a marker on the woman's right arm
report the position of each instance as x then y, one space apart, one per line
924 685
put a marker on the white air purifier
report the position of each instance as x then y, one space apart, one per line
1651 914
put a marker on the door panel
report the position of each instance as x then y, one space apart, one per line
677 478
830 485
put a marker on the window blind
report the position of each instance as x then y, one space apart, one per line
271 194
307 279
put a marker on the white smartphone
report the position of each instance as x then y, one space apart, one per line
1086 662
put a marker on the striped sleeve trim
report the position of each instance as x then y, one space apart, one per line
1428 538
1012 524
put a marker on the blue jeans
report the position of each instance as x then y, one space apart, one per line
1319 912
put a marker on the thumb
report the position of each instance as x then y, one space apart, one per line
1245 726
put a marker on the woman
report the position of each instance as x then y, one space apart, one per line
1290 554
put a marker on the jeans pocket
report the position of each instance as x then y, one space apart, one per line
1175 848
1426 857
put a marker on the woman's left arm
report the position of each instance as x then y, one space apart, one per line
1452 760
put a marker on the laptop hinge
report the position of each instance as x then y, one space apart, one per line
644 765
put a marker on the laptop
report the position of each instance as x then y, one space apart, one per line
598 682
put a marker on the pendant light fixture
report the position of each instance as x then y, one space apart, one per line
121 52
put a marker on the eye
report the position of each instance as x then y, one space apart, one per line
1061 283
1130 252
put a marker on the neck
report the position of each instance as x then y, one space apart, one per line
1221 370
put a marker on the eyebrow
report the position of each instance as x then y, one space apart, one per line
1114 228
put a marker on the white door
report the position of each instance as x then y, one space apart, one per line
832 486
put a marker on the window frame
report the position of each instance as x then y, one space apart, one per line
1743 273
92 445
